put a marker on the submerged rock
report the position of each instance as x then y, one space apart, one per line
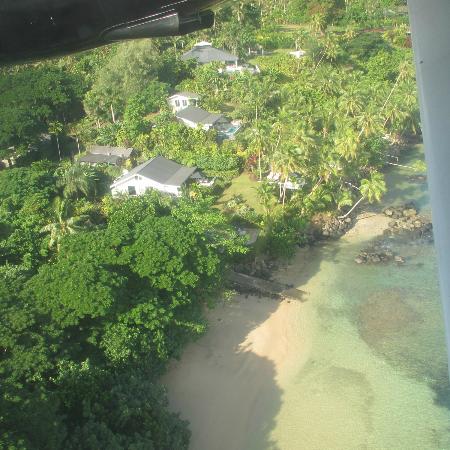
407 221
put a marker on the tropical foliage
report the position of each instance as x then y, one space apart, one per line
98 293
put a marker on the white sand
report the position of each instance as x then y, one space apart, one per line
227 383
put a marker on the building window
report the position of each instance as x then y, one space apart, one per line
184 102
132 190
177 102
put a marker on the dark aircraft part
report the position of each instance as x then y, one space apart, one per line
33 29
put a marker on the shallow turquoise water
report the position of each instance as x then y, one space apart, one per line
377 375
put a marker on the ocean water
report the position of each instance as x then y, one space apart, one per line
377 375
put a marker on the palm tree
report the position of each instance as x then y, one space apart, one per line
265 192
369 122
318 23
301 37
371 190
256 138
352 102
63 224
330 49
347 141
405 72
56 129
75 179
286 161
394 116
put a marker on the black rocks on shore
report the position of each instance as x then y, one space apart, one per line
329 227
407 223
378 254
258 267
405 220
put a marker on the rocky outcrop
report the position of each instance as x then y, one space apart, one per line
326 227
248 284
406 220
377 254
258 267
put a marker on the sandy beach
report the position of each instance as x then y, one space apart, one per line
227 384
338 370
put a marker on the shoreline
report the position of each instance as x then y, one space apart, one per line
230 382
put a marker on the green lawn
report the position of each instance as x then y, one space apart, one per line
246 187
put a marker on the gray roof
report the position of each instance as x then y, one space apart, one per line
199 115
106 150
100 159
206 53
161 170
185 94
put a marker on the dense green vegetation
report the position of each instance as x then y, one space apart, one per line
96 293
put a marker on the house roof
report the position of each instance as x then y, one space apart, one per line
185 94
161 170
100 159
113 151
204 53
198 115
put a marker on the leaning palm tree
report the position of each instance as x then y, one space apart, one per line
371 190
405 72
63 223
75 179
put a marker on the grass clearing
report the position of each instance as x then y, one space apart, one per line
245 186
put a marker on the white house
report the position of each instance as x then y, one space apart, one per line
240 68
294 182
181 100
158 173
203 52
193 116
298 54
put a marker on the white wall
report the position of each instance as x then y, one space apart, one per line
141 185
190 124
180 98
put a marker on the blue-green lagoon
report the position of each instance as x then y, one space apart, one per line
364 368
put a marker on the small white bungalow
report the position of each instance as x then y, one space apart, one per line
193 116
158 173
203 52
240 68
181 100
103 154
294 182
298 53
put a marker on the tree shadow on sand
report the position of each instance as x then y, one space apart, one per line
226 391
222 385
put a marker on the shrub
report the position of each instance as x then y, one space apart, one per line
284 234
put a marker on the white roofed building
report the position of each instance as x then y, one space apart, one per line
181 100
158 173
